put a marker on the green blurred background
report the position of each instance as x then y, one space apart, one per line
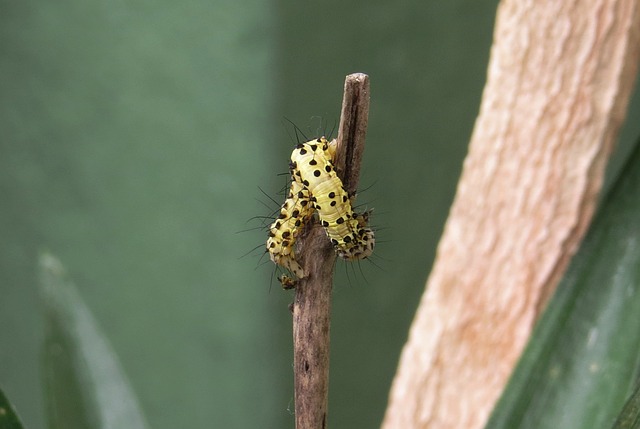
134 138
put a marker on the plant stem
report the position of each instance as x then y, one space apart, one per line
312 303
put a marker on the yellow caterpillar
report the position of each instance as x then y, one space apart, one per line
316 186
294 213
312 165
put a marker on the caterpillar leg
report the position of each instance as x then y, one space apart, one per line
287 282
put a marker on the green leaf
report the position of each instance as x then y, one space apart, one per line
582 360
85 385
629 418
8 417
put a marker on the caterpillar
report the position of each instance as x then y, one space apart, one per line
312 165
294 213
315 186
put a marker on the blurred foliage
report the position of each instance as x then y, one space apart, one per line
8 417
83 380
629 418
135 136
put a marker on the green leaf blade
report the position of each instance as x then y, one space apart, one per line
8 416
84 382
629 418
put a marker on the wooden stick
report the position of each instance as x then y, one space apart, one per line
353 130
312 303
559 81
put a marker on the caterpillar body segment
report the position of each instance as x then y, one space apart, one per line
294 213
364 243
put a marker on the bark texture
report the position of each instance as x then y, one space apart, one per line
559 80
312 304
